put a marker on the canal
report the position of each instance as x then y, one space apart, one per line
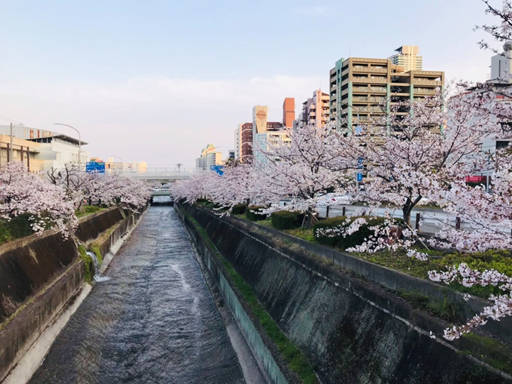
154 321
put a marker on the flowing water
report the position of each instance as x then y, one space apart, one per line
154 321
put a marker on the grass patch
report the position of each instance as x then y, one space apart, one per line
302 233
291 354
96 249
492 351
87 210
445 309
88 264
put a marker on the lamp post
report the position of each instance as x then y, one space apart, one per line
79 143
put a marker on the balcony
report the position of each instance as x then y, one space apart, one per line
436 83
424 91
370 89
374 79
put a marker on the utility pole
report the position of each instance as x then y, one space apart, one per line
10 145
179 166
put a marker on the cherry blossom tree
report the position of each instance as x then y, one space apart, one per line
420 153
315 160
22 192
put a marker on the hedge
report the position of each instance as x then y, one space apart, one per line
251 212
287 219
356 238
238 209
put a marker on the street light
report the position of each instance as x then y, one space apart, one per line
79 142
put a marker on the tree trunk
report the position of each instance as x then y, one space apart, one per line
407 215
309 217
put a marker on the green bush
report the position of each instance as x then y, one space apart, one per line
254 216
356 238
287 219
5 232
238 209
20 226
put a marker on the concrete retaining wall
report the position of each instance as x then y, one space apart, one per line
268 365
352 330
38 277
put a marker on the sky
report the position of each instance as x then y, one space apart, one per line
157 80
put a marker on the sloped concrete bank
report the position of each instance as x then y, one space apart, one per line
41 275
352 329
270 363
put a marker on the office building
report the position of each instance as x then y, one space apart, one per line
54 149
21 150
288 112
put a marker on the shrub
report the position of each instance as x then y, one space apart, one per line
238 209
20 226
5 232
287 219
251 212
352 240
329 223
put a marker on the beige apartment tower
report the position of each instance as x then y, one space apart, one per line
362 89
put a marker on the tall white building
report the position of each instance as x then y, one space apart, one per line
407 56
209 156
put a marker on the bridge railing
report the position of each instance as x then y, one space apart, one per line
158 172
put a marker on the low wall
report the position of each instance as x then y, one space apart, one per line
40 274
352 330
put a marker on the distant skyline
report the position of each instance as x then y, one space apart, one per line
159 80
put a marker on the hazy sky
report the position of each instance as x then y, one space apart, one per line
157 80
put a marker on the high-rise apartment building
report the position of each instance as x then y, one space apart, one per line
407 57
245 132
315 110
362 89
209 156
288 112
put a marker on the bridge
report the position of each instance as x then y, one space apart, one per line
160 174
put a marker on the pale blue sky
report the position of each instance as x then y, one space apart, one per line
158 80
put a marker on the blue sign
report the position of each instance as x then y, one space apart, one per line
359 177
359 130
94 167
360 163
219 169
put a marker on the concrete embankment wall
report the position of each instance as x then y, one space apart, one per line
273 368
352 330
40 274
